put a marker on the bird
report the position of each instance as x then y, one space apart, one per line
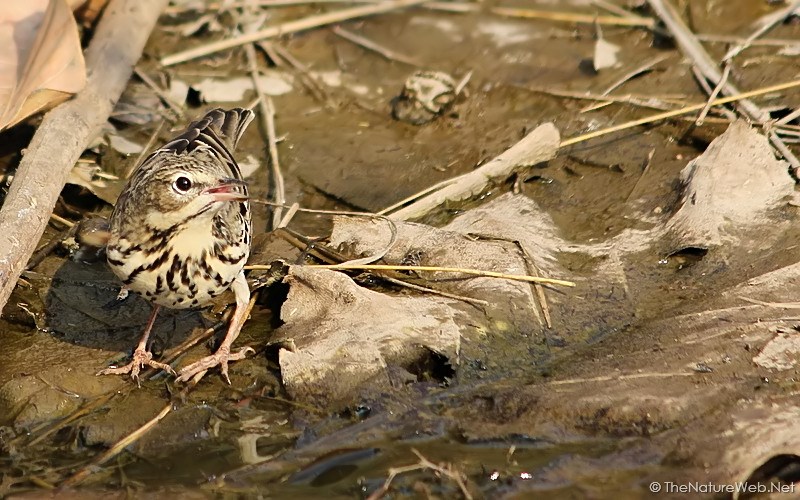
180 233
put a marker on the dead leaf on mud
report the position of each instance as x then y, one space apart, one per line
605 55
729 188
338 336
780 353
233 90
40 56
101 184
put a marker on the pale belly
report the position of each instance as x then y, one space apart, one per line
182 276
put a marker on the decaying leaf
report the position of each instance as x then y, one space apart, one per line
605 54
123 145
41 62
103 185
139 105
780 353
736 180
233 90
343 336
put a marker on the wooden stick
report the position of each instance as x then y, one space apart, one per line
267 113
290 27
375 47
538 146
67 130
691 47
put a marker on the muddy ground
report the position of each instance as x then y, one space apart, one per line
672 360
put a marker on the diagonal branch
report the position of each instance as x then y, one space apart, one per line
67 130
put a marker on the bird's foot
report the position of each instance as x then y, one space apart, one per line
140 359
222 357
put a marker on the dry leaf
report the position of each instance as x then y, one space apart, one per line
233 90
605 54
41 62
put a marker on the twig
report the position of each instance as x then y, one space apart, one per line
770 42
538 146
311 82
692 48
290 27
723 80
375 47
145 150
614 9
159 92
611 378
767 23
425 289
730 115
179 9
533 269
445 470
120 445
67 130
289 216
626 77
267 112
678 112
641 176
473 272
569 17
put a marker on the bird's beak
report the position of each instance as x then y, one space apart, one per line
227 190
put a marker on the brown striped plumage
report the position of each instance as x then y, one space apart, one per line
180 231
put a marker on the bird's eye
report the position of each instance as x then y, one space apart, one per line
182 184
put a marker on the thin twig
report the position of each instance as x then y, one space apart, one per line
288 28
692 48
767 23
312 83
678 112
769 42
375 47
445 470
145 150
613 378
569 17
473 272
723 80
730 115
267 113
425 289
626 77
173 106
117 448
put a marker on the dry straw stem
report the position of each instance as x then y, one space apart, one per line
569 17
473 272
375 47
138 433
691 47
115 450
67 130
290 27
678 112
267 113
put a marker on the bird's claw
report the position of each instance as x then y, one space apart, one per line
222 357
141 358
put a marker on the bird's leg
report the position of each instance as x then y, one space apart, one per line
223 354
141 356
